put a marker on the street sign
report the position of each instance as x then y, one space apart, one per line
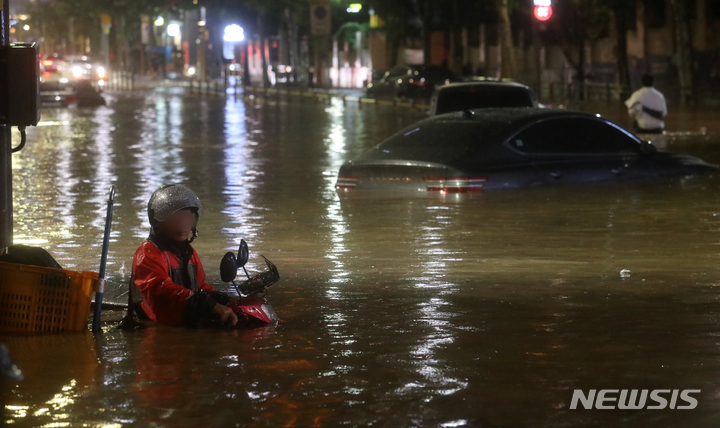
105 23
145 30
320 22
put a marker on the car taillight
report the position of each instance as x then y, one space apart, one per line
455 184
421 82
71 99
347 181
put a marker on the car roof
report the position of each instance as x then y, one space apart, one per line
425 67
495 125
484 84
510 116
509 121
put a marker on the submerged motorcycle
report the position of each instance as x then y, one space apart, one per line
252 307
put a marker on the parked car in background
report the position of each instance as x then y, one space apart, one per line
62 90
57 92
510 148
82 67
411 81
54 63
472 95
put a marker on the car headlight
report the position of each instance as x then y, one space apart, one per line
77 71
191 71
101 71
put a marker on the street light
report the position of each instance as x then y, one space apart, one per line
354 8
173 29
233 33
159 21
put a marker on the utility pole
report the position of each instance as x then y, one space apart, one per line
6 206
19 82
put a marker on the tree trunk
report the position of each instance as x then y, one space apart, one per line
506 42
263 52
246 65
621 53
394 49
424 15
682 36
427 51
581 68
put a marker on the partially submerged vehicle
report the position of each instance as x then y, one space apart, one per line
487 94
480 149
63 92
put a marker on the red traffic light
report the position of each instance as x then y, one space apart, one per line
543 13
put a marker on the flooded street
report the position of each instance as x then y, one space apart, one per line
396 310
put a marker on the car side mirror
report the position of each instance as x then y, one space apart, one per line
230 263
647 148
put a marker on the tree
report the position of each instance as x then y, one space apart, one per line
577 23
682 37
506 40
53 17
620 11
400 18
419 18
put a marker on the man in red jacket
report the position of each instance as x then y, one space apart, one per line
166 268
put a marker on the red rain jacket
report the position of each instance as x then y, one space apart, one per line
165 301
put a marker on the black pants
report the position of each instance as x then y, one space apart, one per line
640 130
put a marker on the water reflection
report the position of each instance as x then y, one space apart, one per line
335 156
241 176
58 370
445 310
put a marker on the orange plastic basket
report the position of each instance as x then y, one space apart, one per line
36 298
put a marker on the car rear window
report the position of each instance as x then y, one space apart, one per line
436 73
435 142
577 135
472 98
52 86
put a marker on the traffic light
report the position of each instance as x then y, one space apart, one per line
543 9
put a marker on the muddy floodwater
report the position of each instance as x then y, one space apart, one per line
396 310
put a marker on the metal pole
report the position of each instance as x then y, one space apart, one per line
6 206
103 261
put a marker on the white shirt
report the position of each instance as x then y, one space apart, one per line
650 98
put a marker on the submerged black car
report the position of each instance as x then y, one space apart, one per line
474 95
510 148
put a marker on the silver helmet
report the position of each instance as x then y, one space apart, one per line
170 198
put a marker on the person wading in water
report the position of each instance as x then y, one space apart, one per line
648 108
167 270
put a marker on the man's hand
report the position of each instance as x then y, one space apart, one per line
226 314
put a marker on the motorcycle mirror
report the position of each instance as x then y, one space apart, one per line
228 267
243 254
